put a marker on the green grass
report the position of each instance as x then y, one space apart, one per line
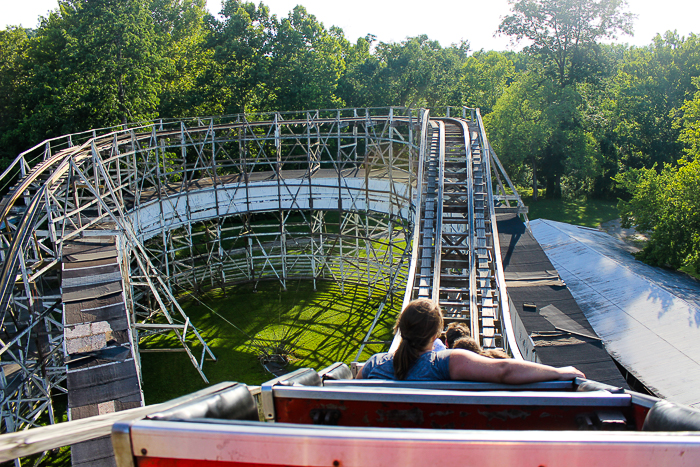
691 271
586 212
313 328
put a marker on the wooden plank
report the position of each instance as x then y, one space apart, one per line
90 256
115 314
94 452
91 291
81 270
26 443
92 305
89 279
110 261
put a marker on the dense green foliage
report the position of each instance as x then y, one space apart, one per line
568 115
668 205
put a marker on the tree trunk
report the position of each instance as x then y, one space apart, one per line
534 179
553 187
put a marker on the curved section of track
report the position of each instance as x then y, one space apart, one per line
378 197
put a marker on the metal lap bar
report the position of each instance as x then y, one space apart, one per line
253 443
417 396
452 385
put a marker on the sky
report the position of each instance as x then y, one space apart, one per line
447 21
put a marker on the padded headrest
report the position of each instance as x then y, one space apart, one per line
667 416
336 372
308 377
234 403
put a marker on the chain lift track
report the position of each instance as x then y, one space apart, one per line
385 198
457 257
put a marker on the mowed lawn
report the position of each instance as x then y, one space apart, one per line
589 213
312 328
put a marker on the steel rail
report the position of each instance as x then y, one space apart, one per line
437 229
506 319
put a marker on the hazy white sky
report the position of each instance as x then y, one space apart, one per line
447 21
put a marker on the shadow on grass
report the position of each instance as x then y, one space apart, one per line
315 329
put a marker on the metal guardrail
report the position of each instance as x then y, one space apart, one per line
506 320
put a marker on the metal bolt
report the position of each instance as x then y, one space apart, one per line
336 463
144 451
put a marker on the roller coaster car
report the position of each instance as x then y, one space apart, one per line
327 418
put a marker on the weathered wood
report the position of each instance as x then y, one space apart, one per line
26 443
35 440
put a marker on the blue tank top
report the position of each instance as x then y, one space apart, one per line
431 366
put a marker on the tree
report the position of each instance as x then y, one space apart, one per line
13 43
46 114
484 78
689 124
407 70
355 85
114 60
237 74
564 34
446 87
181 34
94 64
563 37
667 204
412 73
535 123
650 88
306 63
518 127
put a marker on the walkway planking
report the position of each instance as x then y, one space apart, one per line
102 373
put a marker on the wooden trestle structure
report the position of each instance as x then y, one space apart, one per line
388 198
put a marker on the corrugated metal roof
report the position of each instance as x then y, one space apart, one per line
648 318
532 279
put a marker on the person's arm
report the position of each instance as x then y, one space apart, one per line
364 369
465 365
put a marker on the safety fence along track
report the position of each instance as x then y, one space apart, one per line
101 232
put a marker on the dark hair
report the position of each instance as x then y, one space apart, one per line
456 331
418 324
467 343
494 353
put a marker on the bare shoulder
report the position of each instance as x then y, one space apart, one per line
467 356
467 365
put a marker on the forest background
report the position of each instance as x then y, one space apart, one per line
568 115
